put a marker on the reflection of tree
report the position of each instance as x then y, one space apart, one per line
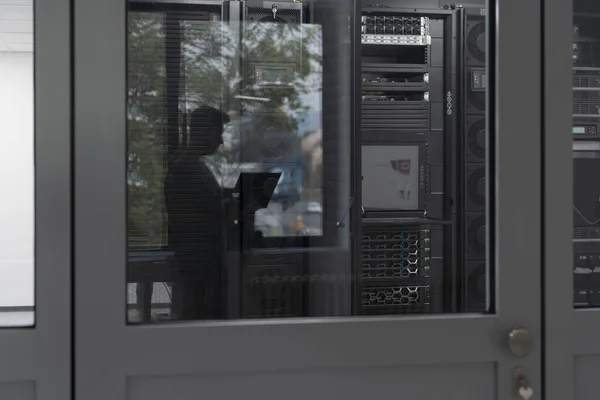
146 125
215 68
288 45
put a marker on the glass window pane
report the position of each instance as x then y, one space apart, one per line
586 153
16 164
254 193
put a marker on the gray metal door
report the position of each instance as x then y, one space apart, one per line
35 314
138 105
571 304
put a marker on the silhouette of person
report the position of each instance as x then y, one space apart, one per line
193 200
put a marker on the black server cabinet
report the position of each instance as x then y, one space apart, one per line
403 235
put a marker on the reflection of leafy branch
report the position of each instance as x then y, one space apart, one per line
211 57
285 44
145 127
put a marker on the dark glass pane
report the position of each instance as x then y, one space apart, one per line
586 153
256 192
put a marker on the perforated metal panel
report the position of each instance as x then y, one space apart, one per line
586 103
395 269
399 296
395 254
586 80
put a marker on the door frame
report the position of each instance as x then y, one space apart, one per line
108 351
40 356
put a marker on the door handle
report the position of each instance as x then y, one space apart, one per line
520 341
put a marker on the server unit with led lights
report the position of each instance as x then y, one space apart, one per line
474 155
395 269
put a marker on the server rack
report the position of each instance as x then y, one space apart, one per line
404 242
586 158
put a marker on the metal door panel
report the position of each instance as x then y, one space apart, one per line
36 361
117 361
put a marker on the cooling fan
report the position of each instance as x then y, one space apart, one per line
476 286
476 235
476 139
476 40
476 187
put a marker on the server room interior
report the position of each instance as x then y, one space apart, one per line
378 208
586 153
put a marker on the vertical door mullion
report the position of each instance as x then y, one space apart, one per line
558 199
100 198
515 187
53 140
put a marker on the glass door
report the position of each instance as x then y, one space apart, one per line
35 208
572 115
332 196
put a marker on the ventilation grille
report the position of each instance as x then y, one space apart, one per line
394 25
395 254
476 138
586 233
474 40
586 81
476 285
476 235
395 296
586 103
394 235
383 270
476 186
587 248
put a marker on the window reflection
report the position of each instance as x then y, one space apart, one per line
225 151
255 192
281 117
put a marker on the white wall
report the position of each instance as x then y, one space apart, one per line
16 180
